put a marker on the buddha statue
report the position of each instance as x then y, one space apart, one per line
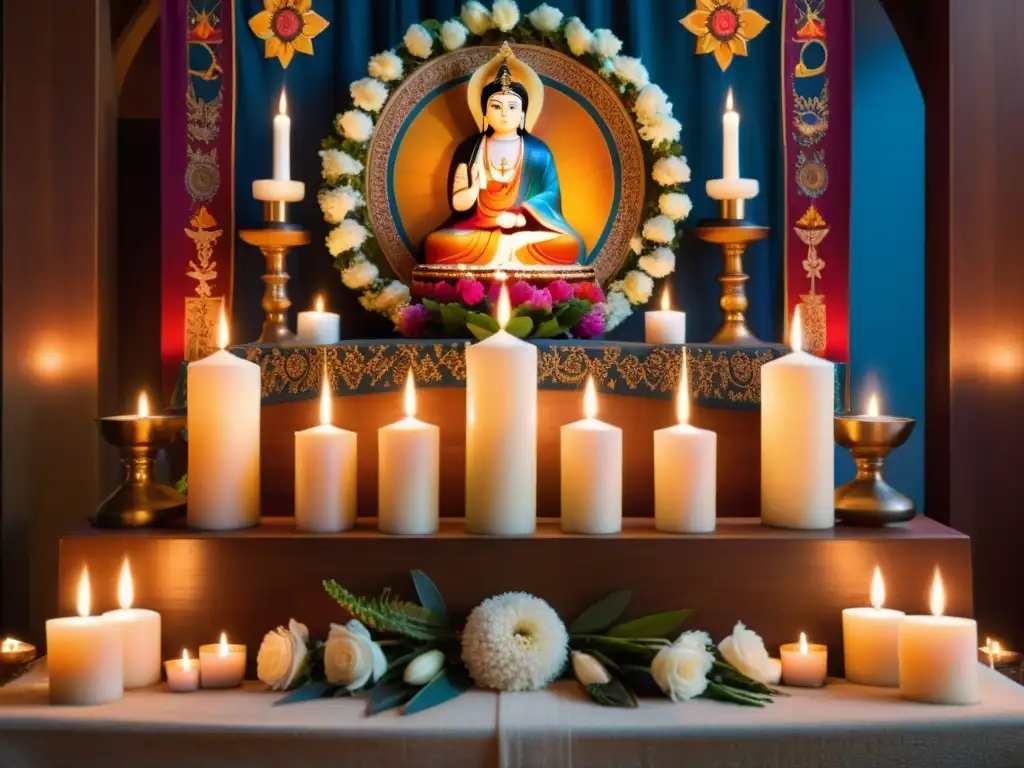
503 186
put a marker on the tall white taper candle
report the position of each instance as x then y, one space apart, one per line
730 140
282 141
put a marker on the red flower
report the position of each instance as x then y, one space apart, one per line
444 292
590 292
470 291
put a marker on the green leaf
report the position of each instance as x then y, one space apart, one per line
548 329
611 694
432 24
385 696
483 320
572 312
453 316
448 684
480 333
430 596
519 327
388 614
432 305
602 614
720 692
639 679
655 625
307 692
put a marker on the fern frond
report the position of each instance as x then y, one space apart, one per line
388 614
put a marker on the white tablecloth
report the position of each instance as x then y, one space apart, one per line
838 726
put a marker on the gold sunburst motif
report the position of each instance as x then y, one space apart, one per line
724 27
287 26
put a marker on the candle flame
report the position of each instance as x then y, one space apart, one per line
10 645
504 307
409 397
143 407
223 651
996 647
186 660
319 302
796 331
877 589
223 337
590 399
325 399
683 393
729 101
803 643
84 593
873 405
666 302
282 104
125 587
938 597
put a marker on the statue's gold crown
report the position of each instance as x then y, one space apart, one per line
504 75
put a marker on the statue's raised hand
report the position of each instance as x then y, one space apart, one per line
507 220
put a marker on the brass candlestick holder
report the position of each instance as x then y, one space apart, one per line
140 502
868 500
734 233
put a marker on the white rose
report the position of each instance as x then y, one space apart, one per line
476 17
606 44
669 171
579 38
660 128
616 307
418 41
588 670
351 658
336 163
545 18
630 70
347 236
651 101
368 94
339 203
359 274
675 205
355 125
282 654
505 14
423 668
659 229
681 670
745 650
637 286
695 637
386 66
636 244
453 34
394 294
660 262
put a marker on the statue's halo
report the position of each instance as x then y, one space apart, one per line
521 73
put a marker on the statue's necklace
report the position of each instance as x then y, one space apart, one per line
499 171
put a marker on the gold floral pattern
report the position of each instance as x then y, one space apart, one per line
724 27
287 26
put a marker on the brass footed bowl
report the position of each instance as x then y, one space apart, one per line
868 500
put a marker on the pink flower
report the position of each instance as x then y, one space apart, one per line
590 292
444 292
541 299
494 291
470 291
413 319
591 324
522 292
421 289
560 291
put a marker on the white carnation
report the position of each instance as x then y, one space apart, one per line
669 171
336 164
355 125
637 286
418 41
579 38
453 34
395 294
476 17
368 94
659 229
606 44
651 101
505 14
347 236
359 274
675 205
660 262
616 307
339 203
630 70
545 18
386 66
660 128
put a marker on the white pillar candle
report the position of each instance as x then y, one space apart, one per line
140 630
938 655
797 439
84 658
665 325
591 472
871 640
408 472
501 432
730 140
223 441
325 473
804 664
685 469
221 665
282 141
318 327
182 674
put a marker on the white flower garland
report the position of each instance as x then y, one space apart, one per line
356 252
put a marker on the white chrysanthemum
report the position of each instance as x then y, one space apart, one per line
453 34
395 294
355 125
636 244
669 171
616 307
514 642
675 205
579 38
359 274
637 286
651 101
631 70
418 41
339 203
660 128
386 66
606 44
369 94
660 262
659 229
545 18
476 17
347 236
505 14
336 164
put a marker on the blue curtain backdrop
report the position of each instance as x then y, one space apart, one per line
318 89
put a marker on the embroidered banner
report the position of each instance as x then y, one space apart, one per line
197 138
817 129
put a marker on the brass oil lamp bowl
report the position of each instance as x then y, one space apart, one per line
868 500
15 657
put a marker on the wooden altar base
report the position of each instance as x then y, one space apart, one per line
779 582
